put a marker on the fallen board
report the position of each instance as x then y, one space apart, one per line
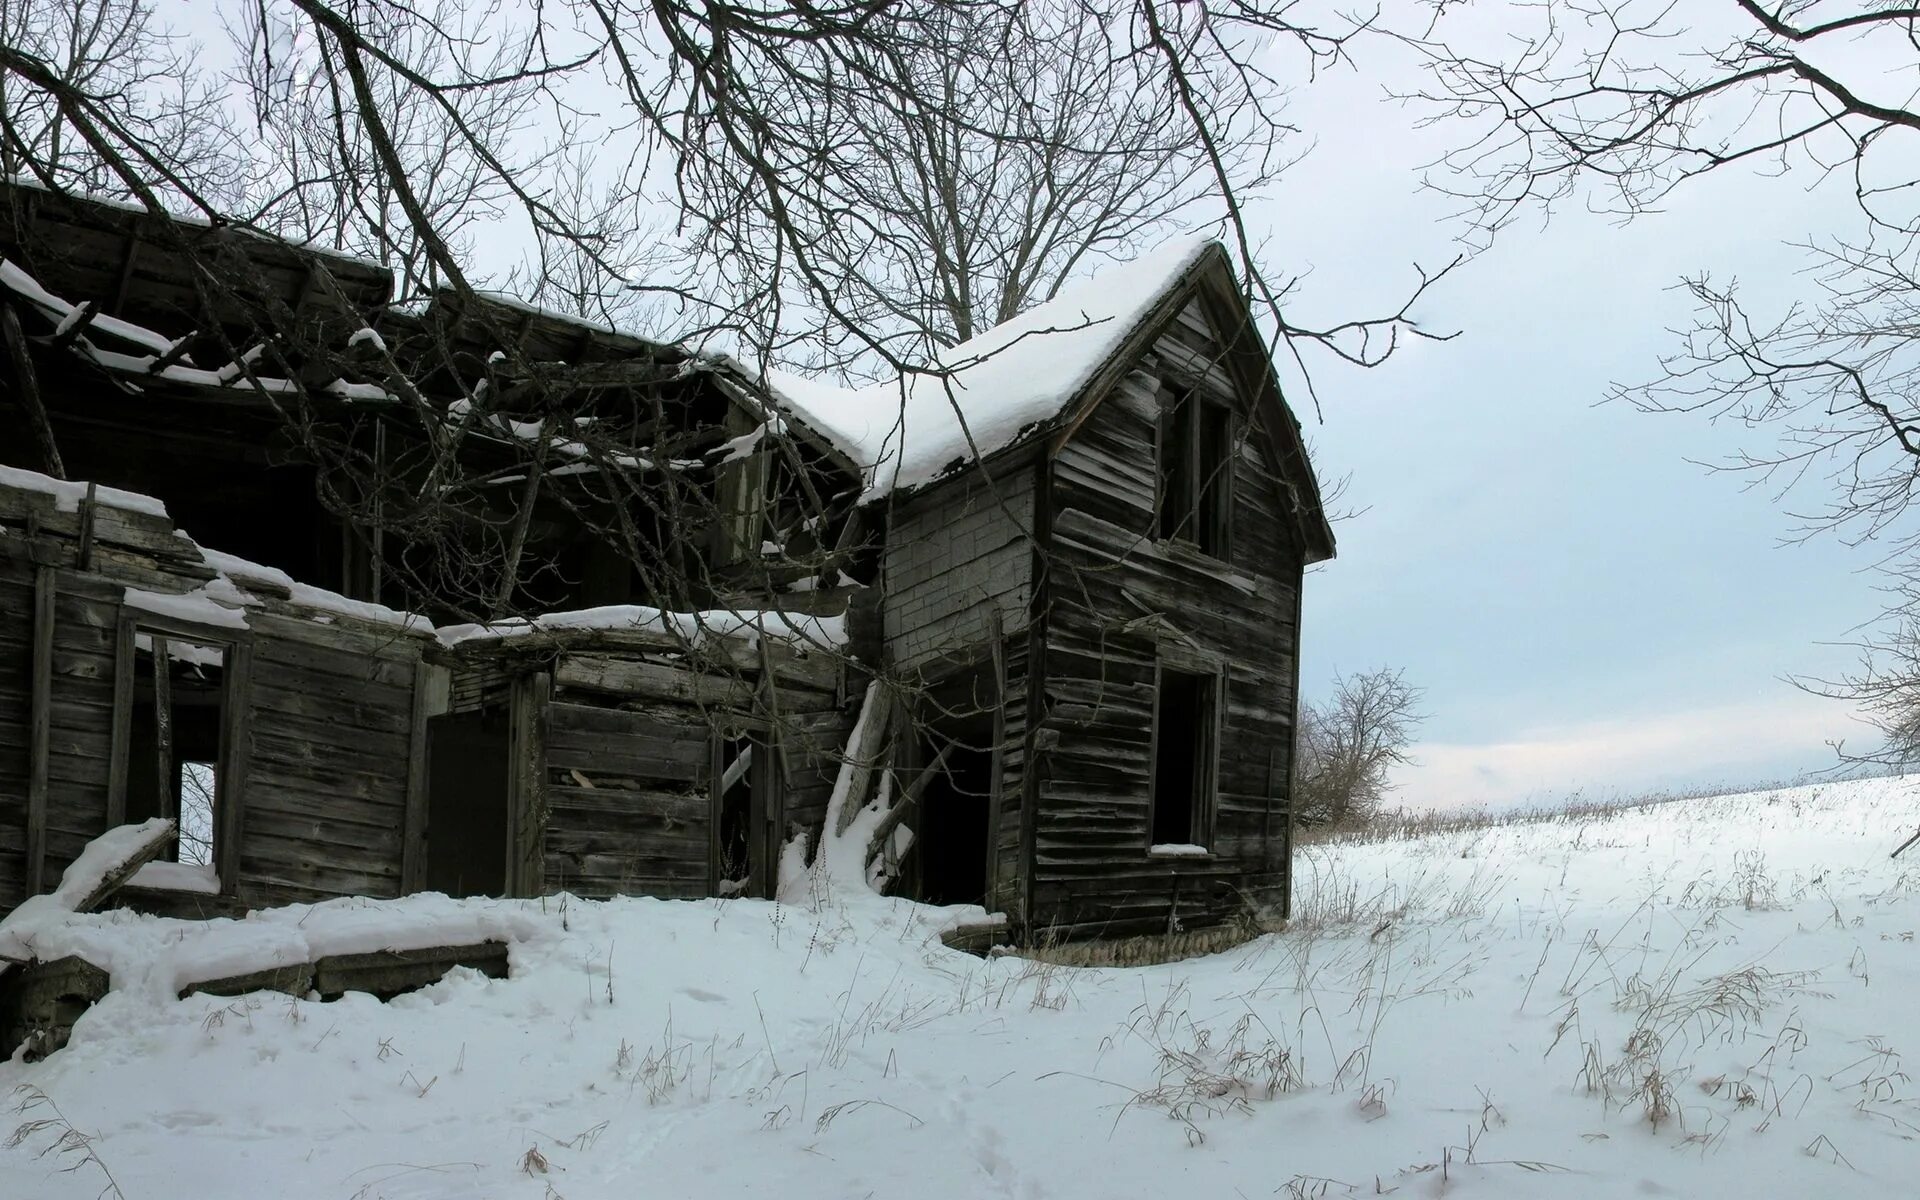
388 973
295 980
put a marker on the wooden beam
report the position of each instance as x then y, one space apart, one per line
1035 755
413 845
126 271
997 760
526 784
28 385
173 354
121 746
236 755
909 802
165 783
640 679
87 509
73 328
40 735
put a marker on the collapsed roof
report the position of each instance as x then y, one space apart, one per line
996 391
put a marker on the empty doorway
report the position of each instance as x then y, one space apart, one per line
467 803
952 827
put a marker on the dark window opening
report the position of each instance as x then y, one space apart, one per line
1183 759
1195 472
174 742
950 828
467 798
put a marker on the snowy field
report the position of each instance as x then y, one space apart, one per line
1704 998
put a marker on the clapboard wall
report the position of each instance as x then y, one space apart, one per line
331 745
626 802
627 741
323 770
958 563
16 712
1114 596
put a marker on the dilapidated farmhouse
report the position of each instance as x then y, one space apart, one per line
460 595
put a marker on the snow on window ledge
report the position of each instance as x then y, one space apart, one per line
1179 850
177 877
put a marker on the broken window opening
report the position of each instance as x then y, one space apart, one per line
1195 471
176 742
1184 756
746 815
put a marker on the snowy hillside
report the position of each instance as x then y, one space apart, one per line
1706 998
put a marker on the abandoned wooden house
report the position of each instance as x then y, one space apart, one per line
459 595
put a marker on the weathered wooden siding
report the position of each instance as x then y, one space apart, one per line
1007 877
1113 593
323 809
629 736
958 556
16 676
626 801
86 613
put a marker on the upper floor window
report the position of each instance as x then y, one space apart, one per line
1195 471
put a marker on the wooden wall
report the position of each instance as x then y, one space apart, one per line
626 804
16 683
325 799
957 556
86 615
626 801
323 769
1113 594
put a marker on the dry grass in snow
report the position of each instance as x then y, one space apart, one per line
1705 997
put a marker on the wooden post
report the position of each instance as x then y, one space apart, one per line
526 784
40 736
164 781
1293 750
413 846
121 746
997 760
517 543
28 386
378 550
236 753
126 272
86 525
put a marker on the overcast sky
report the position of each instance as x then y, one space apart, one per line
1588 610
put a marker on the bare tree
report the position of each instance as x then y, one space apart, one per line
136 77
1349 744
1023 164
1618 103
319 174
734 107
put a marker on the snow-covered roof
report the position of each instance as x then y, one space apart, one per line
239 585
747 624
990 391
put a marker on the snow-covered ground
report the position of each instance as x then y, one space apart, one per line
1705 998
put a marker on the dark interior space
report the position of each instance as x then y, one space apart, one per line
1182 755
228 479
951 827
467 803
746 815
733 844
